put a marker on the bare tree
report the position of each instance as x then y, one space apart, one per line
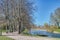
20 11
25 14
55 17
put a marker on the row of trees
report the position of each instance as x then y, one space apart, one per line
17 12
55 18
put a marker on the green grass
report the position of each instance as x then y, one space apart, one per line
58 30
25 32
5 38
3 30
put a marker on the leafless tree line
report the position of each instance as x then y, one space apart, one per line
17 12
55 18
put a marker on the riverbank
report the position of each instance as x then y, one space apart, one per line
16 36
56 32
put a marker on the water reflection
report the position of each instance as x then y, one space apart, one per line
45 33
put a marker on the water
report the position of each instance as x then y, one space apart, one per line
44 32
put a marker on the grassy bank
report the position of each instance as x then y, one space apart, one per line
5 38
58 30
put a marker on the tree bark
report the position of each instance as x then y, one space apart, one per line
19 27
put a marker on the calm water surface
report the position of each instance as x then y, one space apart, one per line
44 32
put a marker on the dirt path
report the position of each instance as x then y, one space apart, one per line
21 37
29 38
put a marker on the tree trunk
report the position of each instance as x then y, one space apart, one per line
19 27
7 29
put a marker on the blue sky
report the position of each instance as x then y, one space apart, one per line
44 9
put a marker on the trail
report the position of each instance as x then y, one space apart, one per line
17 36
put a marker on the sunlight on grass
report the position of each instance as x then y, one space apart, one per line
5 38
58 30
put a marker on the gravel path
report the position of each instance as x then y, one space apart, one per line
22 37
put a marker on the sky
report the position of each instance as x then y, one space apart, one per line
43 10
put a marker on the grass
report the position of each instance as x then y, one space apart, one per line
5 38
3 30
25 32
58 30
